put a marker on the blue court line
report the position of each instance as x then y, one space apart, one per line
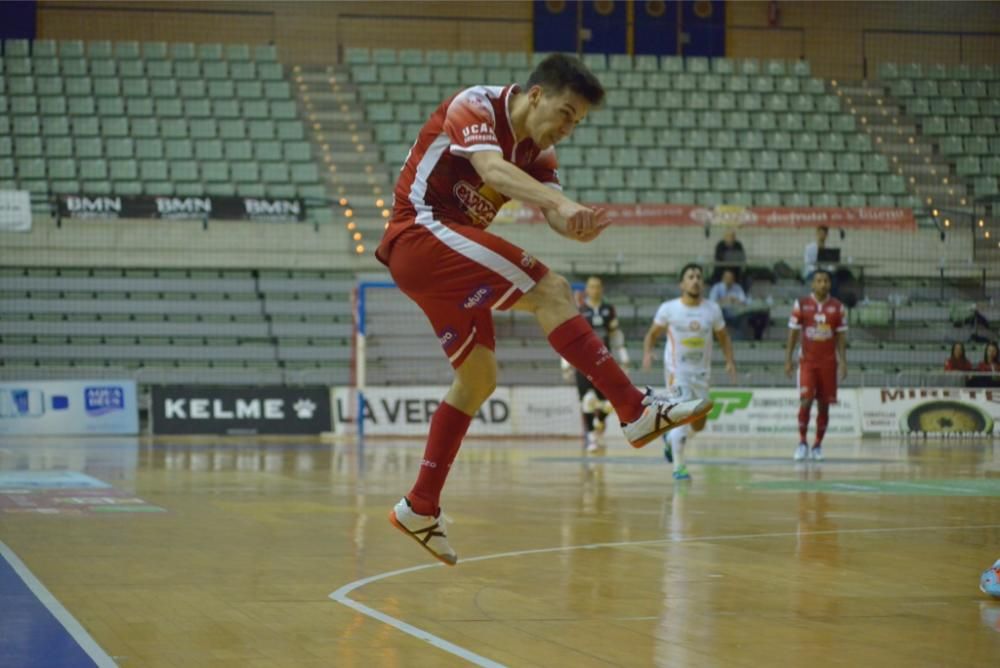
36 631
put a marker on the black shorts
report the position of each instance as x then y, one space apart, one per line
583 385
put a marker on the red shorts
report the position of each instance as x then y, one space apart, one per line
819 382
457 274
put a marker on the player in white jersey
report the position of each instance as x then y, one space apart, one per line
689 323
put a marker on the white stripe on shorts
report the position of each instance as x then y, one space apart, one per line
464 345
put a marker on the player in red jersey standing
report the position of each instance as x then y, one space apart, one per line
480 148
822 321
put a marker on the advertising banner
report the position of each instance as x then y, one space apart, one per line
930 410
193 409
182 208
407 411
774 412
69 407
15 210
771 217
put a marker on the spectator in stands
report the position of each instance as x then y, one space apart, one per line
729 254
990 365
729 294
957 361
812 252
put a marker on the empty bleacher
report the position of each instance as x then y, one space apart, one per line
153 118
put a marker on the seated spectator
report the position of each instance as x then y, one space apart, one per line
729 295
729 254
989 365
811 257
957 361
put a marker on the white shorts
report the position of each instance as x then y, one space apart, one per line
688 387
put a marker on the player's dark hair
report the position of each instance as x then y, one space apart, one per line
829 276
986 351
690 265
559 72
825 228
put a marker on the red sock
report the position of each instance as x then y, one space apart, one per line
822 419
448 427
804 422
576 341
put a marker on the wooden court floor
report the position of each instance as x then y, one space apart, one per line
226 553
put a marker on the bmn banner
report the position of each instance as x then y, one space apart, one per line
266 209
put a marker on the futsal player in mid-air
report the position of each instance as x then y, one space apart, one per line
821 320
480 148
689 323
594 406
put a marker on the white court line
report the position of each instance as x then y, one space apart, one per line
341 595
62 615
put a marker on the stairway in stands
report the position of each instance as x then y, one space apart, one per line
914 155
356 180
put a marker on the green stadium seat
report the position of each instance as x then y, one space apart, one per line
26 126
142 106
148 148
683 158
876 163
984 186
865 183
103 68
977 146
131 69
854 200
58 147
833 141
882 200
270 72
848 162
92 170
177 149
290 131
825 200
112 107
951 146
93 147
85 126
837 182
809 182
183 51
991 166
55 126
753 182
99 49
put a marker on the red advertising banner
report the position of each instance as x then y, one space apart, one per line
679 214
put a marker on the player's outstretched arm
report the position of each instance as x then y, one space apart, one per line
565 216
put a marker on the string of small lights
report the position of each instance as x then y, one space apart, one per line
360 143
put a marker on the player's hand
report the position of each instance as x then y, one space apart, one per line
647 361
843 370
731 370
788 368
583 223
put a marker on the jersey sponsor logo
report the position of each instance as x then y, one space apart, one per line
693 357
480 205
821 332
479 133
448 337
478 296
693 342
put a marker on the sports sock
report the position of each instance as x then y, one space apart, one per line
804 421
448 427
822 419
678 439
576 341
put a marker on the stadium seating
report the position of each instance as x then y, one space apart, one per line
100 117
175 325
697 116
959 107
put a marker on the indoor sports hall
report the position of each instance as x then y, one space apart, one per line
221 413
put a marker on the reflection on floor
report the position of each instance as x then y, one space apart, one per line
223 552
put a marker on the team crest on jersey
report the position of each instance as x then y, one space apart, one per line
694 326
527 261
480 205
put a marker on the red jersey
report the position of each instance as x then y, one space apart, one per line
438 182
959 365
819 322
